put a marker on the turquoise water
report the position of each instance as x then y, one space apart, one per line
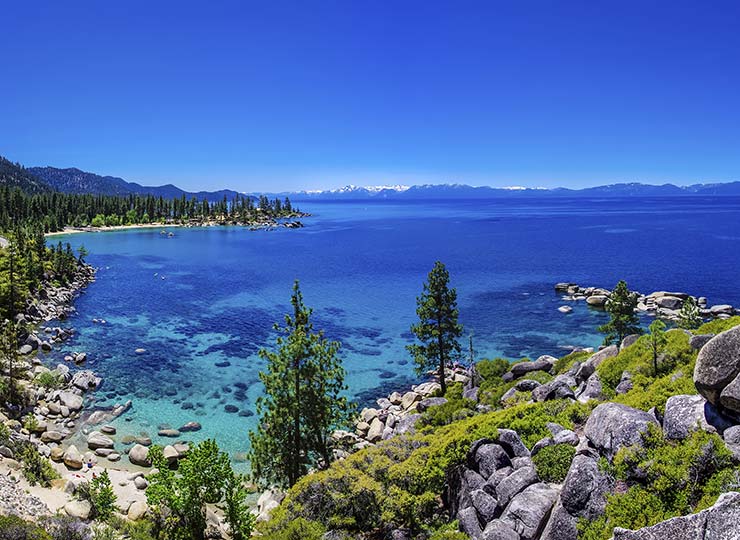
203 302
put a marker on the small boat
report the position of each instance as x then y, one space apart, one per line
170 235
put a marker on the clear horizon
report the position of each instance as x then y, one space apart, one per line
284 97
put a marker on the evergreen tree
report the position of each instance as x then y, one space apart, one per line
657 341
437 329
178 500
621 308
9 355
689 317
302 403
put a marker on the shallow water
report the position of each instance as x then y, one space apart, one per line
208 297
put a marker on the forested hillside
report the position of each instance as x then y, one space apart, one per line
14 175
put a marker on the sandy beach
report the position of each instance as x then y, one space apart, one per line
74 230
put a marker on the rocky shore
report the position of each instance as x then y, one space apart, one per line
663 304
291 222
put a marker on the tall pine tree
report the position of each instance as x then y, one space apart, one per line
437 329
302 403
621 308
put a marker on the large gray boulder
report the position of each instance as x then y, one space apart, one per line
485 504
558 388
498 530
612 426
139 455
717 367
543 363
720 522
97 440
591 390
684 414
527 513
489 457
70 400
583 496
515 483
588 367
512 443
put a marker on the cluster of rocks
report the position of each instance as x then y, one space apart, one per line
55 302
14 501
497 494
397 413
663 304
580 382
54 413
53 335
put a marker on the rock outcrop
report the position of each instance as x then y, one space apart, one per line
720 522
717 371
612 426
497 493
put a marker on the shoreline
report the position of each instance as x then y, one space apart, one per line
288 222
396 413
76 230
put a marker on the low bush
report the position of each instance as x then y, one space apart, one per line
49 379
637 360
14 528
666 479
566 362
718 326
36 468
456 408
552 462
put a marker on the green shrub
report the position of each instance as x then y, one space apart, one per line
647 392
552 462
490 369
455 409
637 359
718 326
297 529
30 422
102 497
36 469
566 362
13 527
666 479
49 379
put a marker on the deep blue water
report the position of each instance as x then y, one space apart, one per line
361 266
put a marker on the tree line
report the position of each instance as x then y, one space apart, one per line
52 211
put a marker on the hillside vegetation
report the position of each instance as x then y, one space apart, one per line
404 484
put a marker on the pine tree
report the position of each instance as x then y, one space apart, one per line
9 354
302 403
621 308
689 317
437 329
657 341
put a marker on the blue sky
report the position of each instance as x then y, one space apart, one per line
292 95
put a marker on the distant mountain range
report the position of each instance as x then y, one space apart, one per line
462 191
40 179
77 181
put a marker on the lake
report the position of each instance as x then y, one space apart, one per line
208 297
